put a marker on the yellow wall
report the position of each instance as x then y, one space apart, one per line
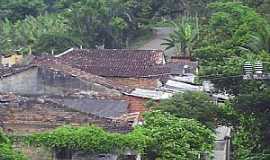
11 60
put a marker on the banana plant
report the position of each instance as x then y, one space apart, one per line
183 38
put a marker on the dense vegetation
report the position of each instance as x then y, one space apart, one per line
232 35
195 105
45 25
221 34
162 136
6 151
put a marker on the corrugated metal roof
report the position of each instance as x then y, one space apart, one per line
181 86
190 78
151 94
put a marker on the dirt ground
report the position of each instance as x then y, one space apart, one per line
158 39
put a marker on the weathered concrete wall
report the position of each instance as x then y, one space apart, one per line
43 81
29 82
63 82
58 79
24 83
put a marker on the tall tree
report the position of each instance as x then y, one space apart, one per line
26 34
176 137
196 105
20 9
229 27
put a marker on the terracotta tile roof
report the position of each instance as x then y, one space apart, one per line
58 64
118 62
41 114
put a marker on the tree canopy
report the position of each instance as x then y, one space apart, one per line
196 105
161 136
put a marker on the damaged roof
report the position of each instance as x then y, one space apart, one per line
8 71
58 64
118 62
102 108
34 114
177 86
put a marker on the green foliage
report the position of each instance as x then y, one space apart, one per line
89 23
90 139
3 138
58 42
228 31
251 128
30 33
177 8
176 137
227 115
231 24
247 138
161 136
19 9
259 42
196 105
6 151
261 6
184 36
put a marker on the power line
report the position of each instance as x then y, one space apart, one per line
219 76
235 76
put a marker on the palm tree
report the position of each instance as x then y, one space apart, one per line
183 38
